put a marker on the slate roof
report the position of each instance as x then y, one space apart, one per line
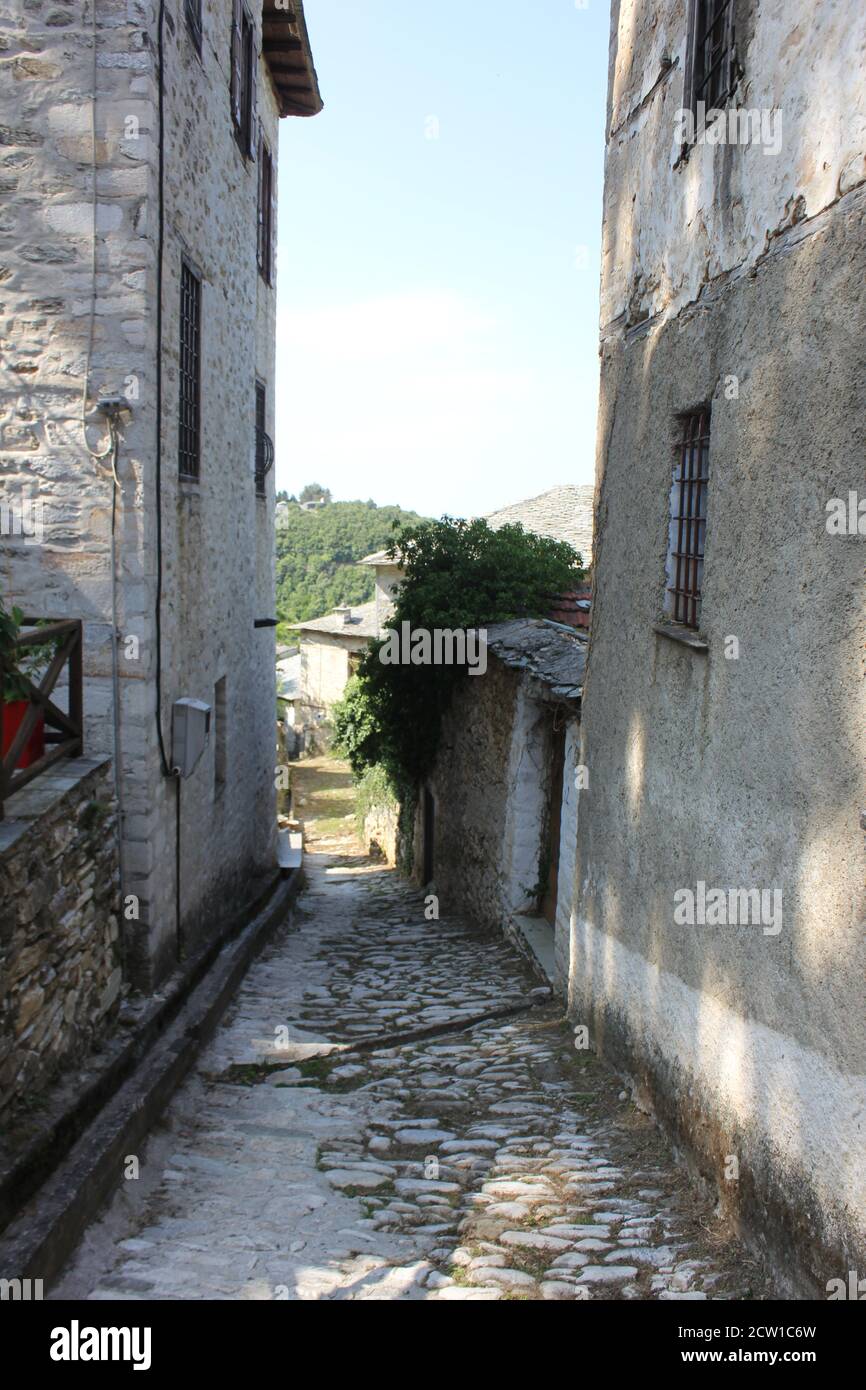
362 624
379 557
562 514
289 677
549 652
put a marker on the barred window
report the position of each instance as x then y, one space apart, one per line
688 519
713 67
243 79
189 396
267 212
192 10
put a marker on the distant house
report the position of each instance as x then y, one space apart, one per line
331 648
387 572
289 681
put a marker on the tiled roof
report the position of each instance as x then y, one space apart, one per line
563 514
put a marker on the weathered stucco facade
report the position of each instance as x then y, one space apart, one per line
95 220
330 649
733 280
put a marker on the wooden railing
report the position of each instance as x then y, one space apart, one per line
64 732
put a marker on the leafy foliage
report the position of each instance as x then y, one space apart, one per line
19 663
318 551
457 574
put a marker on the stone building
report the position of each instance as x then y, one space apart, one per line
386 578
496 824
331 648
716 946
138 151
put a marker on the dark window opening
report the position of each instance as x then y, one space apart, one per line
189 407
192 10
267 210
713 65
264 443
688 528
243 79
220 742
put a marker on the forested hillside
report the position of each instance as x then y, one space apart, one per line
317 554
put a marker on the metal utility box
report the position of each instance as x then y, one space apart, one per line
190 731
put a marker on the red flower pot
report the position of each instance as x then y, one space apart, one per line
11 719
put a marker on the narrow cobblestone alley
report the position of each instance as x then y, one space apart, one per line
394 1109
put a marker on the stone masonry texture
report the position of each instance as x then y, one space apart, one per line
79 231
60 963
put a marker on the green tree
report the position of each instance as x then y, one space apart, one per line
317 554
456 574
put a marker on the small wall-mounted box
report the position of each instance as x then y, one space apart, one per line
190 731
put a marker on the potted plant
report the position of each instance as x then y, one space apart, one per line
16 664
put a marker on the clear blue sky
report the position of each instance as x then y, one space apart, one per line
439 232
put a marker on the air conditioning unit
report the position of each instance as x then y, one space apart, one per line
190 732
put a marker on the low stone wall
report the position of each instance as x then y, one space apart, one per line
381 828
60 967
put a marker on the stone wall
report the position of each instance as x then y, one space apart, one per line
70 203
737 768
724 205
381 829
60 965
491 788
469 783
325 667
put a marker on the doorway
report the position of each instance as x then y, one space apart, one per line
429 833
554 823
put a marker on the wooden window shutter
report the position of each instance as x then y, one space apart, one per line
260 233
253 77
271 250
236 64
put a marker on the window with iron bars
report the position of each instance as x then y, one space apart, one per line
243 79
267 212
192 10
264 443
189 396
713 68
688 519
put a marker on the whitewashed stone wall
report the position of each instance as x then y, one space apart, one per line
724 206
567 852
325 667
491 785
217 536
735 279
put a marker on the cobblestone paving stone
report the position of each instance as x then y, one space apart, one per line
493 1162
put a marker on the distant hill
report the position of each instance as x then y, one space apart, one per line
318 551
